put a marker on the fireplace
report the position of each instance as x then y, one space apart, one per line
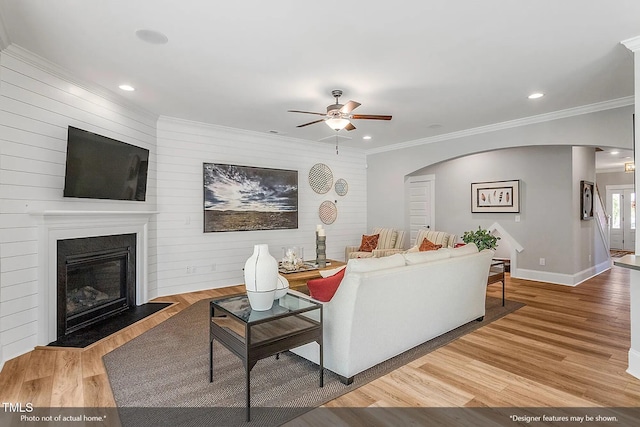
96 279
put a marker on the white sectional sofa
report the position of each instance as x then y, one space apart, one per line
385 306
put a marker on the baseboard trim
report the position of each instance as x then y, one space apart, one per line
560 278
634 363
590 272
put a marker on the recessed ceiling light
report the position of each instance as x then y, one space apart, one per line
127 88
153 37
367 137
536 95
615 152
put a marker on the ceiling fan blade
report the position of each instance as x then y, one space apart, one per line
350 126
306 112
349 107
310 123
370 117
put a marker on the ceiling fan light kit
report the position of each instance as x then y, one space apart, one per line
338 116
337 124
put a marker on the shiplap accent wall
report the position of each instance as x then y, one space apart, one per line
38 101
217 259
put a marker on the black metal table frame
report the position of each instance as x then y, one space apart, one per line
251 355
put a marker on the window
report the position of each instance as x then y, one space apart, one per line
616 218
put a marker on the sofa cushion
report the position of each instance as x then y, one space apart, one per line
428 245
437 237
369 243
387 237
324 288
360 255
412 258
363 265
469 248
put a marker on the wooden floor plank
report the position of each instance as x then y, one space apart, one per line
67 380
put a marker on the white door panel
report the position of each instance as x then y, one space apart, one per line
420 205
621 205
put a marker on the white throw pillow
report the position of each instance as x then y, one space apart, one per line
468 249
363 265
331 272
422 257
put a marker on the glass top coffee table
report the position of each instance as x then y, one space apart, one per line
253 335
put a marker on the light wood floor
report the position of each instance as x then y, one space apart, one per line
567 347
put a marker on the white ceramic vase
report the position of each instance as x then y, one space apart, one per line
261 278
281 287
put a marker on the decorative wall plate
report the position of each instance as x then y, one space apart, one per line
320 178
328 212
341 187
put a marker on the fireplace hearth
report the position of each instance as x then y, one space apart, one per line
96 280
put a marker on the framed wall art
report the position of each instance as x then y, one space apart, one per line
586 200
496 197
242 198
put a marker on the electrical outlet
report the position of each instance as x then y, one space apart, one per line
542 261
517 218
213 267
589 257
189 269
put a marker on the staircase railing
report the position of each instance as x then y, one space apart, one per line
603 219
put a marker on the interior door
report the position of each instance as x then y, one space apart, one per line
420 204
622 208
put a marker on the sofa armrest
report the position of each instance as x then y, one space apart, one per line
348 250
400 240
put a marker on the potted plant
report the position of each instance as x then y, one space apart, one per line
482 238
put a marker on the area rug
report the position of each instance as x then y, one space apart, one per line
617 253
161 378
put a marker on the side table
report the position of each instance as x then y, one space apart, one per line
253 335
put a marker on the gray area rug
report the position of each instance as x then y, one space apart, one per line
161 378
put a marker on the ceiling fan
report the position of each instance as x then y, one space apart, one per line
338 116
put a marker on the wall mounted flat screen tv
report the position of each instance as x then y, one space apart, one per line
103 168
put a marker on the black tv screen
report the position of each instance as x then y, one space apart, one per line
103 168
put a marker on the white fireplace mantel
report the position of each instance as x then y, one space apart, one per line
54 225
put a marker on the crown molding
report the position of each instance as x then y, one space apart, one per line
49 67
633 44
547 117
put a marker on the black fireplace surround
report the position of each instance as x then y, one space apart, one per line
96 280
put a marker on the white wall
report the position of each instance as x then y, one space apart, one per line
183 146
589 248
548 226
38 102
634 286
